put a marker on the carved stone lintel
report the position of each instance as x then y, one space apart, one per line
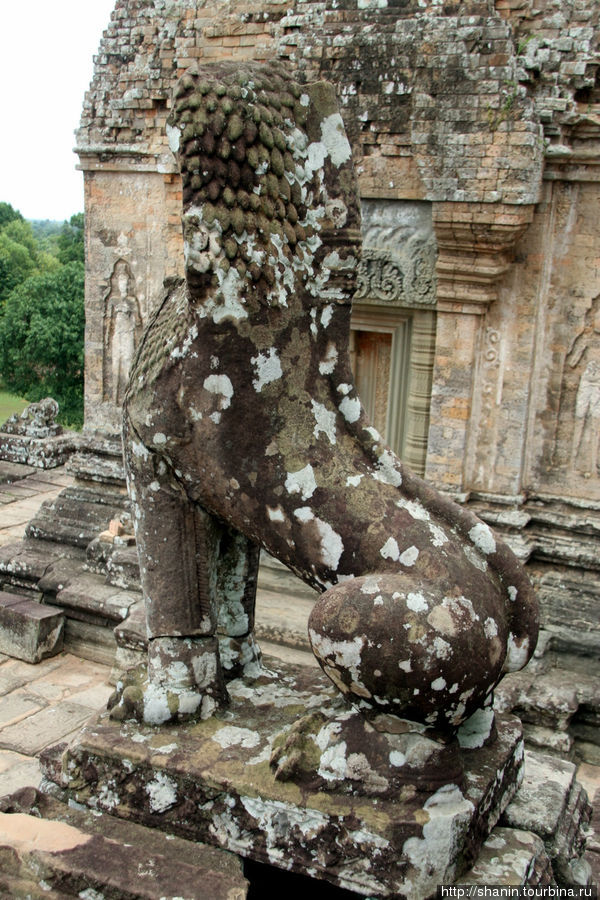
399 253
384 277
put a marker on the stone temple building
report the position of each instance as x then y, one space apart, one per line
475 129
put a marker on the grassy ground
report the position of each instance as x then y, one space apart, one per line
10 404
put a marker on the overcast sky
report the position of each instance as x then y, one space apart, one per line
46 50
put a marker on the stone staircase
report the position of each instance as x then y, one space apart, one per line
60 851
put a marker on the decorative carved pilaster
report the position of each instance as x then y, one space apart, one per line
419 396
476 243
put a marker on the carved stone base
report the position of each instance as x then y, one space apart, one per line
212 781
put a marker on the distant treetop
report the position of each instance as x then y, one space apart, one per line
70 240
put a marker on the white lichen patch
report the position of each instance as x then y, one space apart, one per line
438 684
173 137
476 730
346 654
162 792
475 558
438 536
397 758
275 514
221 386
187 344
273 693
156 705
329 361
350 408
512 593
331 545
441 648
165 749
390 549
417 602
326 315
517 653
232 736
332 764
409 556
108 797
334 138
267 368
301 482
483 538
387 470
414 508
276 820
353 480
490 628
324 421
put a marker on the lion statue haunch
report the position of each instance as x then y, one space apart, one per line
243 429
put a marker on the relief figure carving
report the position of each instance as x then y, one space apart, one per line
585 353
122 330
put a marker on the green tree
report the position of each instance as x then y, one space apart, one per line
41 339
8 214
70 240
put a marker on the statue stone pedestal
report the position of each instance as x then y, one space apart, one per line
212 781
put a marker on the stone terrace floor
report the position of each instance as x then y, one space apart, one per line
43 704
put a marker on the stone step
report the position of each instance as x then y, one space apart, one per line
510 857
23 564
88 598
76 516
555 706
552 803
72 850
28 630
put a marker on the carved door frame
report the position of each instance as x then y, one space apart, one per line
411 372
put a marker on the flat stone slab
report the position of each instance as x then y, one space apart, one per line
11 472
45 727
212 781
71 849
29 630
